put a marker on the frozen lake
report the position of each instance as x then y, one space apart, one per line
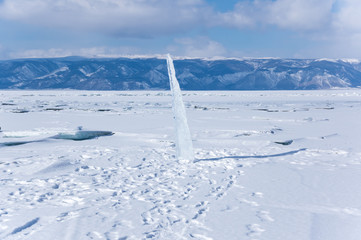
273 165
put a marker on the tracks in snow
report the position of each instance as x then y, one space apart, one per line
146 194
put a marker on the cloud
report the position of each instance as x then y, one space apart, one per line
3 52
332 26
134 18
190 47
348 17
151 18
300 15
333 23
197 47
84 52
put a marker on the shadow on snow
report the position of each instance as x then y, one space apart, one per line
254 156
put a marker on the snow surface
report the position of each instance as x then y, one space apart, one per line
54 73
242 184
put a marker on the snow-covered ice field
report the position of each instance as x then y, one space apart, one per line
129 185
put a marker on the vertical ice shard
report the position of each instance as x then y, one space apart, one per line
184 145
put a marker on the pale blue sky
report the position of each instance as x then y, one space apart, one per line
194 28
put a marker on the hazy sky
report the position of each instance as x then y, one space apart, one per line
195 28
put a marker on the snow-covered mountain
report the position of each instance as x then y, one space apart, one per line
193 74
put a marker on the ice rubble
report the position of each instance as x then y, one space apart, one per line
75 136
82 135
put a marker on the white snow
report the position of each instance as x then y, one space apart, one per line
54 73
351 60
327 59
87 73
242 185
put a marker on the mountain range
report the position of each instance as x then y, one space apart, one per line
192 74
